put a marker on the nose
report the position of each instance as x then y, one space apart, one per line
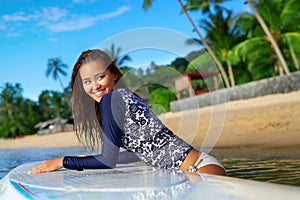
96 85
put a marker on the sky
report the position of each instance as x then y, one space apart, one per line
33 31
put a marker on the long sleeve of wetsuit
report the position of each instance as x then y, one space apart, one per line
127 157
112 111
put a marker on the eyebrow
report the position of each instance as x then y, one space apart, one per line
101 73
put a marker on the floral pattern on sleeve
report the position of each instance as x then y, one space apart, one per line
148 137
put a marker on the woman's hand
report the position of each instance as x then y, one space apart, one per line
48 166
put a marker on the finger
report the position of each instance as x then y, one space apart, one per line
36 169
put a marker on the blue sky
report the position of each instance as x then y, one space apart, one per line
32 31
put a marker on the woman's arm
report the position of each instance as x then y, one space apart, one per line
111 117
107 159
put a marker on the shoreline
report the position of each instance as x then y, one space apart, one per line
51 140
267 121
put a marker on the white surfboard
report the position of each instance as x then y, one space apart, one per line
135 181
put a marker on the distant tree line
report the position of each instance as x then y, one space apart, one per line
19 115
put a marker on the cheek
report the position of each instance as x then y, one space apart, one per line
87 88
113 80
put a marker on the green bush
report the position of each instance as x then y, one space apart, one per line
160 99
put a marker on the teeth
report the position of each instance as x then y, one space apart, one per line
98 93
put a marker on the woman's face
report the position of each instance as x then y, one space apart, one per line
96 79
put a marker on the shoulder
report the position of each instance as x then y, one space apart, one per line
123 92
115 95
128 95
112 103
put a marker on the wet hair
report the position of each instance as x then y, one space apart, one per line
86 114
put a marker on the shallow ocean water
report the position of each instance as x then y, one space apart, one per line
280 165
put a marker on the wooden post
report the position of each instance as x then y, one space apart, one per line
190 88
216 82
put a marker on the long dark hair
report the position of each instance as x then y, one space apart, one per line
86 114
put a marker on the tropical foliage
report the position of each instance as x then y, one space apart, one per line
160 99
18 115
55 67
256 51
245 43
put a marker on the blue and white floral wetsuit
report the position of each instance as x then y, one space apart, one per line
128 122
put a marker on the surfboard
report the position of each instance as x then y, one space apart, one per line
135 181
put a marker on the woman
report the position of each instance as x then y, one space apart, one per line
104 110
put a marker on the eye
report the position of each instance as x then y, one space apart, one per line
86 82
100 77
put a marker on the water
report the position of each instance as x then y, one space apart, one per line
275 165
281 165
15 157
284 171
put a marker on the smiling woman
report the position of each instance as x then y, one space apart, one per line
106 112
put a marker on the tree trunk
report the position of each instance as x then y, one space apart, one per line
231 76
61 84
270 38
280 69
295 60
212 54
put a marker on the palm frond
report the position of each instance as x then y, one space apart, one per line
147 4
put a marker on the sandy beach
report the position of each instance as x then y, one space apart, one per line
269 121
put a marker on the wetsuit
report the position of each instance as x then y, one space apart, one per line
129 123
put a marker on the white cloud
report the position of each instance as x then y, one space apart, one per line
72 25
81 22
116 13
18 16
52 14
56 19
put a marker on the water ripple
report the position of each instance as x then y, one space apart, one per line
268 169
284 171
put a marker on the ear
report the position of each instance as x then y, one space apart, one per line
115 77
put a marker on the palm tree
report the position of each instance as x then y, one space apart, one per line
258 56
212 54
270 38
280 17
147 4
114 53
55 67
222 35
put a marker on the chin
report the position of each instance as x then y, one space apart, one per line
98 99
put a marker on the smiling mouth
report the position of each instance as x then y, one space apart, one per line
99 94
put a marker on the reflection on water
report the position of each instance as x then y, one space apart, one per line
279 169
285 171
